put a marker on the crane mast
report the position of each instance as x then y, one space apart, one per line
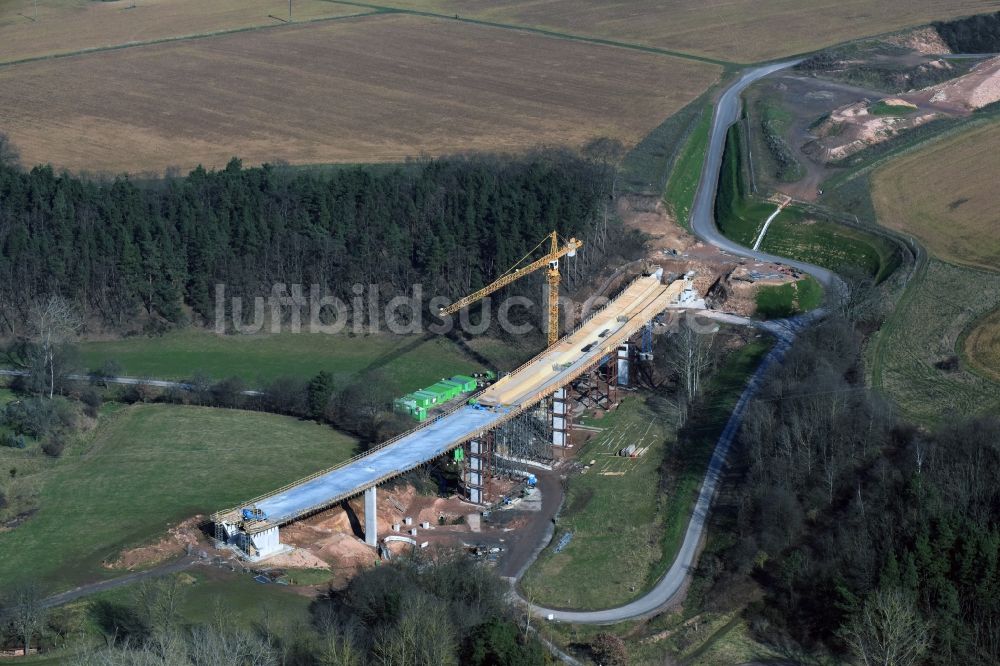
552 277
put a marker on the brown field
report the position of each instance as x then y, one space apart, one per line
982 346
379 88
723 29
68 26
946 196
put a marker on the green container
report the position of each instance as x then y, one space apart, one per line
467 384
419 414
424 398
455 386
443 391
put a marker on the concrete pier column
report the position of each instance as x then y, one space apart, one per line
474 472
371 518
560 418
622 360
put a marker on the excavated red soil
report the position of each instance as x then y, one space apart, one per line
176 541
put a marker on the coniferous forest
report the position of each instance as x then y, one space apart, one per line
153 251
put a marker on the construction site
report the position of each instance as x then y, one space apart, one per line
492 434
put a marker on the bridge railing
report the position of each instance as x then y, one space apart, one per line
579 326
218 515
513 411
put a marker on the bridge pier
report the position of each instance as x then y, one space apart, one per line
371 518
622 361
474 480
560 418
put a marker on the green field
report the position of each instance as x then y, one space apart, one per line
925 330
614 519
787 299
146 467
409 361
881 108
686 174
980 345
793 233
205 592
625 533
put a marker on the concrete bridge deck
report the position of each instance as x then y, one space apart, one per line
554 368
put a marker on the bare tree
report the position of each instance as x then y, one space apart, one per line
888 631
863 300
159 602
27 613
53 324
610 153
8 153
423 635
338 649
689 356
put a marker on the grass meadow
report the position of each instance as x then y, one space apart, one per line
913 358
981 346
784 300
793 233
686 174
146 467
410 362
625 529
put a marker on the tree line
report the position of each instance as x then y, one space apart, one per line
973 34
868 536
124 252
441 611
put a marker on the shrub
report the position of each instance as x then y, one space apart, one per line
228 392
92 401
37 417
13 441
54 446
609 650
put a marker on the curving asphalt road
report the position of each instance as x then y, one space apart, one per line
703 226
703 210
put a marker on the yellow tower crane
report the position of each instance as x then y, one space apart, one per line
551 260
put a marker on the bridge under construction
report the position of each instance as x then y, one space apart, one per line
602 339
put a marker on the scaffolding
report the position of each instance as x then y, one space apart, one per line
528 436
597 389
502 451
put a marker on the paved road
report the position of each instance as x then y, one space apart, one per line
703 225
125 381
703 211
100 586
527 542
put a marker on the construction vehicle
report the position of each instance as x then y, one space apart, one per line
551 260
253 513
